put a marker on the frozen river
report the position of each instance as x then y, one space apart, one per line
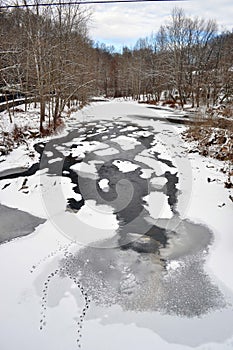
109 253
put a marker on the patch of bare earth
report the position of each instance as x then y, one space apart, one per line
213 137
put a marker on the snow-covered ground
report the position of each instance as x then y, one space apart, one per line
87 271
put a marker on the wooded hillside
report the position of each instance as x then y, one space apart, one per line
47 55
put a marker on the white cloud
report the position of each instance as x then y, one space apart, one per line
123 24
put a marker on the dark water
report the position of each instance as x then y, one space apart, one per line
16 223
130 216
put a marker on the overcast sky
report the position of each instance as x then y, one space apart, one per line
123 24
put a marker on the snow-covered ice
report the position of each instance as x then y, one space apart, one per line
126 143
104 185
125 166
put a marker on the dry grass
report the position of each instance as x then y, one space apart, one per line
149 102
170 103
213 137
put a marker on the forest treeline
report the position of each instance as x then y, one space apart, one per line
46 54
